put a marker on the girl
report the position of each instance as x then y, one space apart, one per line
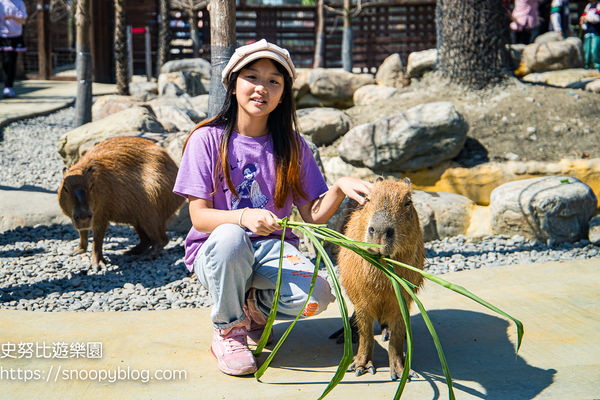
241 171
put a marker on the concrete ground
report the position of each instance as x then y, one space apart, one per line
557 302
36 97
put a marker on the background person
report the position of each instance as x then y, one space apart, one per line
12 17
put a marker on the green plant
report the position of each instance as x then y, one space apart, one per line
318 234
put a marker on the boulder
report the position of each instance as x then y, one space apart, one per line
198 65
391 72
371 93
27 207
111 104
143 90
593 86
547 37
301 86
200 105
553 55
336 85
135 121
192 106
180 222
516 53
323 125
420 61
421 137
574 77
555 208
175 119
190 82
442 214
308 101
594 231
173 144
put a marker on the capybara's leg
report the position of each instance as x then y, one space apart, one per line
83 241
363 360
385 332
143 245
158 237
396 347
99 232
339 334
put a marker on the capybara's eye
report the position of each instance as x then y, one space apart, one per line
371 230
65 189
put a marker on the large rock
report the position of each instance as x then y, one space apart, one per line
553 55
372 93
136 121
323 125
190 82
301 86
195 107
594 231
336 85
143 90
111 104
593 86
421 137
420 61
555 208
391 72
173 144
198 65
174 119
442 214
573 78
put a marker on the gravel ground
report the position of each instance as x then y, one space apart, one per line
37 271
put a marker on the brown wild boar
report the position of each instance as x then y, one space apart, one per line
123 180
388 218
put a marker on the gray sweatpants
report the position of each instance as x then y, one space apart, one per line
228 264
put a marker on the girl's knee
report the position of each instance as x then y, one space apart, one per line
320 298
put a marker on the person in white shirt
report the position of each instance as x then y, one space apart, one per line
13 15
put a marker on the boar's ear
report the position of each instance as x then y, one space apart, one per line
379 179
407 181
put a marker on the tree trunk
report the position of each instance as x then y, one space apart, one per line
163 35
222 46
347 37
471 41
195 33
319 35
83 102
121 65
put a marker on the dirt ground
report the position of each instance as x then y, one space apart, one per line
514 121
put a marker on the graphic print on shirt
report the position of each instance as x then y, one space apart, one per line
249 193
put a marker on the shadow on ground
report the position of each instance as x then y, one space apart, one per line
476 346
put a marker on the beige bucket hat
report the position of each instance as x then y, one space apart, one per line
262 49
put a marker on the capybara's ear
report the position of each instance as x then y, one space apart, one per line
64 170
407 181
379 179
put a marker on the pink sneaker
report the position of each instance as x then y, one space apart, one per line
230 348
257 321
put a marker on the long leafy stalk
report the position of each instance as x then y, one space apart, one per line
323 233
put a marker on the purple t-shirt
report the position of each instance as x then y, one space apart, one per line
252 171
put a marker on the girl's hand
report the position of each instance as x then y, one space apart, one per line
259 221
355 188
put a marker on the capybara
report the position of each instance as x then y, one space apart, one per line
124 180
388 218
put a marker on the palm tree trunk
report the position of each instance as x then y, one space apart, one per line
222 46
471 41
83 102
347 37
163 35
121 65
319 35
